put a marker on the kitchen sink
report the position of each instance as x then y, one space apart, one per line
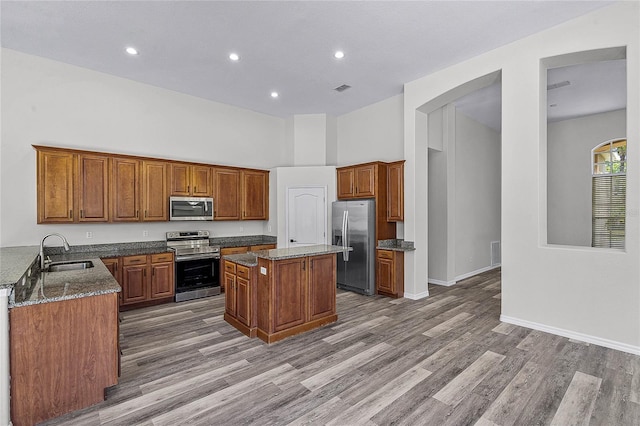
69 266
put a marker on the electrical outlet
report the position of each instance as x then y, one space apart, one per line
89 234
269 228
145 233
241 229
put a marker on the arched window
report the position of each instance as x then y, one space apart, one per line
609 193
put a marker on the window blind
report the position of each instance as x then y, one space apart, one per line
608 211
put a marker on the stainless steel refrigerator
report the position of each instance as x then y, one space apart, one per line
354 225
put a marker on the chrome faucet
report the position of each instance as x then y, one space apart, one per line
44 262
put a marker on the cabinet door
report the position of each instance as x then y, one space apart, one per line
56 187
201 181
162 280
155 201
384 275
134 283
255 195
113 265
346 187
322 286
365 177
395 192
289 295
243 302
180 179
230 294
226 194
93 188
125 189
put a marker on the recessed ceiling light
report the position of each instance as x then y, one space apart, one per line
234 56
339 54
131 50
274 94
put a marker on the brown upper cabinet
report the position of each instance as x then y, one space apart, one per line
190 180
56 193
395 191
226 194
83 186
255 195
72 187
357 181
154 191
125 193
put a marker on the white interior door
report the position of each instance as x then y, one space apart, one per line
306 216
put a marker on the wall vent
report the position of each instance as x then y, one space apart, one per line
342 88
495 253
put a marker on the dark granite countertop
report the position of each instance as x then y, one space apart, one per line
251 259
48 287
14 262
396 245
248 240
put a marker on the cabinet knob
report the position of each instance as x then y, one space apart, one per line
70 214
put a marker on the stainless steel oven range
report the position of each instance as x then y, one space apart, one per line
197 264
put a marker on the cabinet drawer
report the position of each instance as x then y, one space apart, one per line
162 257
234 250
243 272
134 260
229 267
263 247
385 254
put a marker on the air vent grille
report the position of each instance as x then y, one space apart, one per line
342 88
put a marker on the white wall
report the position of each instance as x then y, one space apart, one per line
372 133
310 139
283 178
51 103
566 290
477 195
569 145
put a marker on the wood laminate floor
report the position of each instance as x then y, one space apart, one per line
443 360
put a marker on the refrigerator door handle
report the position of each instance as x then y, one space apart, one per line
345 235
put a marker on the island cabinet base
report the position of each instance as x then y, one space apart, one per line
242 328
63 355
279 335
295 295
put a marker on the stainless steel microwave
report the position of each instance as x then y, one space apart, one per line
190 208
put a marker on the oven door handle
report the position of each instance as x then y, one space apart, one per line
195 257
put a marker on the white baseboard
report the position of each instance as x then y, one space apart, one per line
442 283
462 277
416 296
476 272
635 350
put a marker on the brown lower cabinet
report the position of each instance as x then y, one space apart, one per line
390 273
145 279
241 250
240 297
295 295
63 355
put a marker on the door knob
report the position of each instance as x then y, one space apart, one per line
292 241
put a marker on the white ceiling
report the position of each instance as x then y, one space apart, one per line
285 46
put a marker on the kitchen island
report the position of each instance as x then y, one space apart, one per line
274 294
63 337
